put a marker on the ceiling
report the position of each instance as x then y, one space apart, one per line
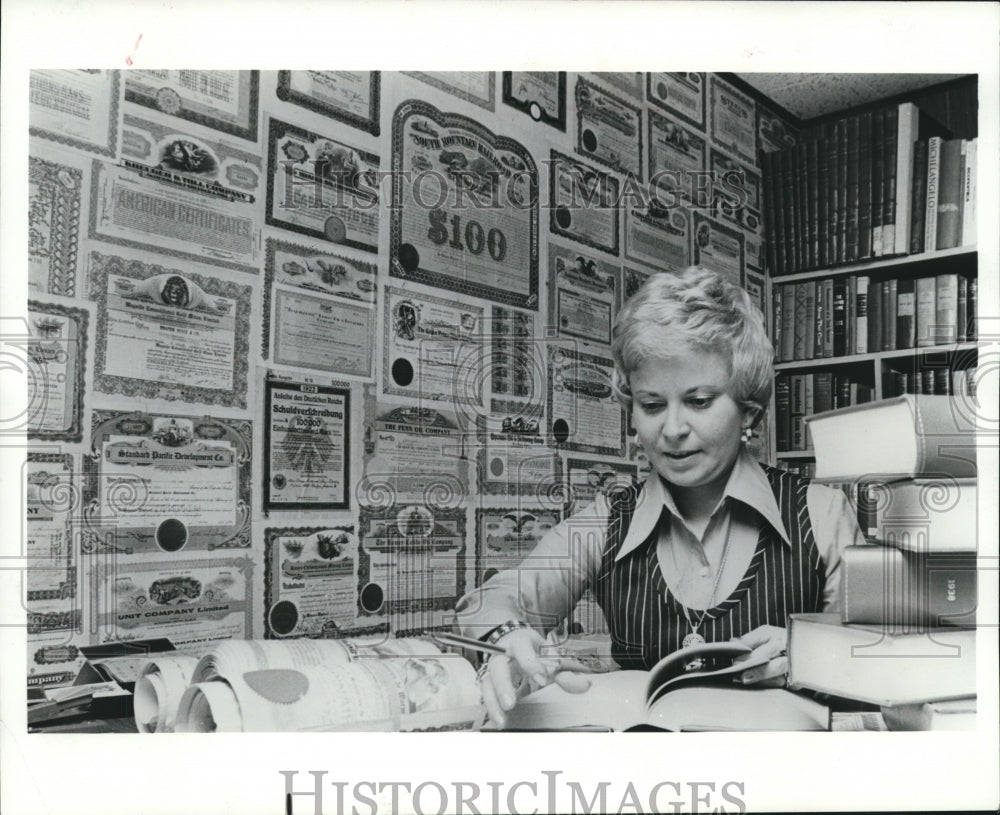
811 95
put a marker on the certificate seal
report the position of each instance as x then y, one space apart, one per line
168 100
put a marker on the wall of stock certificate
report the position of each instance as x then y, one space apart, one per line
314 353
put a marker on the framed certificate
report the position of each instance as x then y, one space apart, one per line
351 97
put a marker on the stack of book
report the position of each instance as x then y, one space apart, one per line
904 637
836 317
867 186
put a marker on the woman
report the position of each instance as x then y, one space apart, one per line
713 546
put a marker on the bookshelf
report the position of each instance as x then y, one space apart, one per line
872 369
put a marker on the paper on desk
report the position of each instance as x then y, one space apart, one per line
158 691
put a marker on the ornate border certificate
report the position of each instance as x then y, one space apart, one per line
166 334
477 87
583 294
582 411
720 248
464 207
506 535
677 161
351 97
166 483
608 129
222 100
55 200
322 187
76 108
516 459
681 93
733 121
583 203
658 237
540 94
306 446
57 350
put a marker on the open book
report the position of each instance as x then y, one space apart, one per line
669 697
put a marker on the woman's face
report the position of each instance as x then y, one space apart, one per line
686 418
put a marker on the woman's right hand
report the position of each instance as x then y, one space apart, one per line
506 677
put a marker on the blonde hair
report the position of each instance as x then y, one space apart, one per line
701 310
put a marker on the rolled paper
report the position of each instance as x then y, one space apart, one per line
209 707
158 690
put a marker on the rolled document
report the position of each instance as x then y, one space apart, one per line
158 690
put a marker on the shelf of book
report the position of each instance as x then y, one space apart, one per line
964 255
855 359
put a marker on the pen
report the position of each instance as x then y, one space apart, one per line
468 642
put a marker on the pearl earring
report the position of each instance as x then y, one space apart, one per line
746 435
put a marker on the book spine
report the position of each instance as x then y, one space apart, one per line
878 180
962 308
776 319
839 317
908 117
777 191
852 314
823 202
842 191
884 585
819 322
926 311
949 215
918 202
891 146
822 391
810 328
832 198
808 406
788 326
930 209
851 237
801 207
875 317
969 194
788 208
972 311
812 202
946 308
942 382
906 327
865 186
889 294
827 286
782 414
861 309
767 207
797 411
801 322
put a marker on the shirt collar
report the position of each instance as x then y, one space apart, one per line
747 484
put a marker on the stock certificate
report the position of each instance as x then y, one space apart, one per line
582 411
310 581
514 458
322 187
187 196
432 347
57 357
517 362
719 247
773 133
320 300
166 334
306 446
754 286
540 94
658 237
736 184
683 94
477 87
677 160
588 477
411 565
164 483
506 535
583 294
464 207
413 454
52 597
351 97
192 602
223 100
630 82
609 130
733 121
584 203
55 204
76 108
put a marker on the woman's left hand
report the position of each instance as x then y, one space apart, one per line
768 642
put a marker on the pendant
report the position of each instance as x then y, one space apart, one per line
694 638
